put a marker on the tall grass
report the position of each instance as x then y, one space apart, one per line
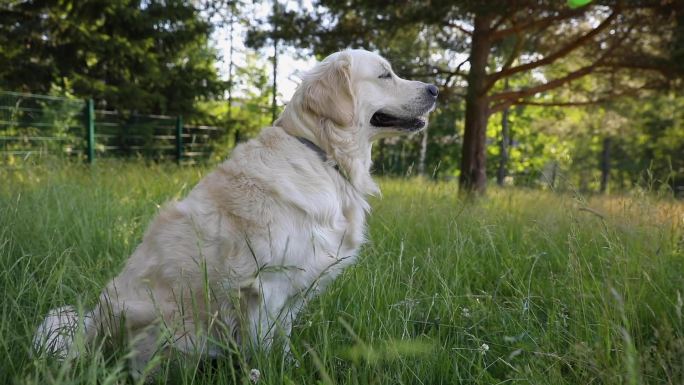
523 286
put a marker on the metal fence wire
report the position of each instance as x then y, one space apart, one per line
35 126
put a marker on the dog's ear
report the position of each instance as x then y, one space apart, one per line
328 90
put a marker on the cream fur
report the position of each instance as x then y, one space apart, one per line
260 235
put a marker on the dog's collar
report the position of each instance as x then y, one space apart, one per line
319 151
321 154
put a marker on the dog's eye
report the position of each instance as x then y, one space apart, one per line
386 75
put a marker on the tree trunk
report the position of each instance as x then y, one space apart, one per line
274 103
505 138
423 153
473 176
554 174
380 159
230 68
605 164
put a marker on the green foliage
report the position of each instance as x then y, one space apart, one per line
542 41
144 56
522 286
248 114
647 143
154 56
649 149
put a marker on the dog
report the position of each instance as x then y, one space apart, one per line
267 230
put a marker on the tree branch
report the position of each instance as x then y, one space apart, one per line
458 67
500 107
499 22
440 71
460 28
511 97
515 95
562 104
556 55
600 100
647 64
514 53
539 23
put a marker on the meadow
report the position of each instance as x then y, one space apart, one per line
520 287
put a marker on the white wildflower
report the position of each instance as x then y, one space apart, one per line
465 312
254 375
483 349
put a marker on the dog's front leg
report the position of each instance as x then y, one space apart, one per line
273 313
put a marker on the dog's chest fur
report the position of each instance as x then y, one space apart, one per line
276 219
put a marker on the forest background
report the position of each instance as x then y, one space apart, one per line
532 93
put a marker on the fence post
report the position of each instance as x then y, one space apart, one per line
179 139
90 130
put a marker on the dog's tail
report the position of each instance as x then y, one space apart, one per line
57 333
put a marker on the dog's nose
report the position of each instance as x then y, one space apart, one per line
432 90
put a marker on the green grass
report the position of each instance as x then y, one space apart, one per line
561 289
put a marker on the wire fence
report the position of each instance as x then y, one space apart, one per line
36 126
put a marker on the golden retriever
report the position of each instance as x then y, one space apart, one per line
268 229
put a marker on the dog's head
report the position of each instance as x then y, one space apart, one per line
357 88
351 98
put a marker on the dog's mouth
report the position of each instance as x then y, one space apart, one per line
383 119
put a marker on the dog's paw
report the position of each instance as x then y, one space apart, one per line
55 335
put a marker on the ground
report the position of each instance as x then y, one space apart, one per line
523 286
